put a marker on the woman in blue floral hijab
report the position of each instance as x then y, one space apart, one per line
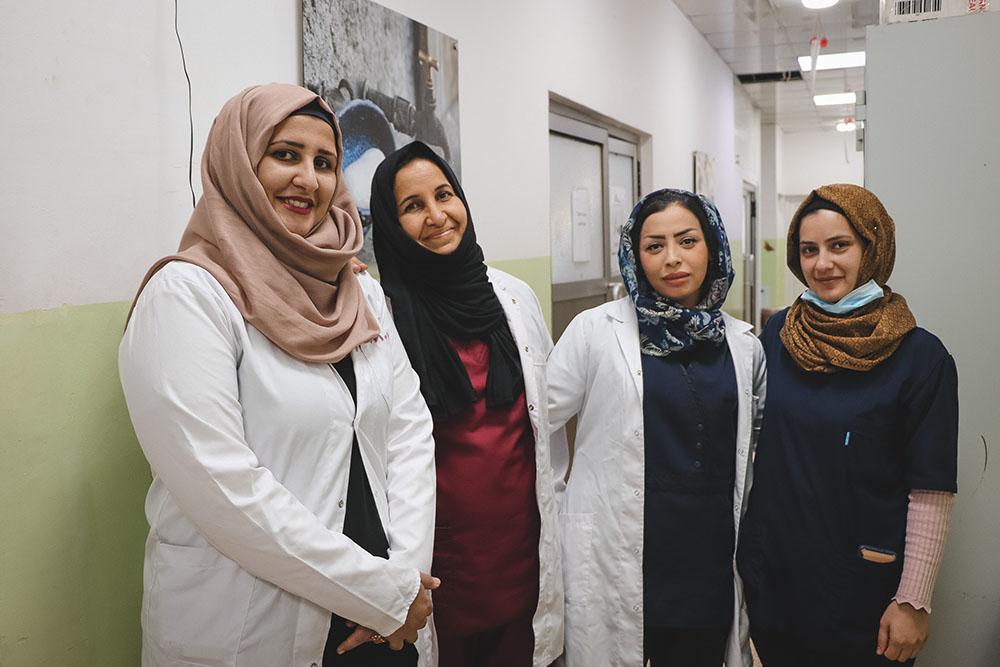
666 325
668 390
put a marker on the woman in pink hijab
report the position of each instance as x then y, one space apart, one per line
292 505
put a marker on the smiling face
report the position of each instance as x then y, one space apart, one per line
829 254
674 254
428 209
298 172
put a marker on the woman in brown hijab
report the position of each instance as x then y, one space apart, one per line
292 506
855 472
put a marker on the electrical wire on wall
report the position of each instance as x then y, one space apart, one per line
190 115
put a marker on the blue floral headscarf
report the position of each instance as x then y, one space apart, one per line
665 326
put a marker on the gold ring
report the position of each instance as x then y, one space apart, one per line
376 638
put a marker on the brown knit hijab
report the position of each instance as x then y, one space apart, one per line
857 341
299 291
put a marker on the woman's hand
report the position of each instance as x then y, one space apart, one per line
357 266
902 631
360 636
416 618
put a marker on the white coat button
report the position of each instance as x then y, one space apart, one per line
637 493
638 433
527 349
340 503
513 301
636 608
637 551
531 407
639 372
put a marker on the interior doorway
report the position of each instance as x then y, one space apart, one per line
750 277
593 184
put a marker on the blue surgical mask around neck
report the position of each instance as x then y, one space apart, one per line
862 296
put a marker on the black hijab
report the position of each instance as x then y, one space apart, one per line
437 297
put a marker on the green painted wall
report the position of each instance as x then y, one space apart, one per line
537 272
734 300
772 276
72 485
772 271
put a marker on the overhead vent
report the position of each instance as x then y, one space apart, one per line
770 77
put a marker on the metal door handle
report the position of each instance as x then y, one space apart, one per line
615 291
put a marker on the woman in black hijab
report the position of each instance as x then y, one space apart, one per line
478 341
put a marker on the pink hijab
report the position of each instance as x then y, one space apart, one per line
299 291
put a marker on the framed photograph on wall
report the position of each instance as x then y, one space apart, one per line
704 175
389 79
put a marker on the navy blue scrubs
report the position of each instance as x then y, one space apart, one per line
837 456
689 411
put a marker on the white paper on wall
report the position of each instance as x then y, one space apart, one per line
580 208
620 202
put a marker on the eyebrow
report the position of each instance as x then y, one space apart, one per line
417 196
406 199
839 237
663 236
295 144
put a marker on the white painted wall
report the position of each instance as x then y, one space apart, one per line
642 63
504 114
96 126
772 222
817 158
96 133
937 173
746 118
787 206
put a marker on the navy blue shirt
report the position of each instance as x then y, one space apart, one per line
689 413
837 457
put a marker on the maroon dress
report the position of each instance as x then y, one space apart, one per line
487 532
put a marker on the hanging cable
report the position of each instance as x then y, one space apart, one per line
190 115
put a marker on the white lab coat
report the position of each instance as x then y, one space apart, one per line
250 452
595 371
531 334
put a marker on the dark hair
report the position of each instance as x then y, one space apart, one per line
316 110
660 202
818 203
428 154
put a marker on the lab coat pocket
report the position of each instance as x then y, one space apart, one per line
579 567
197 603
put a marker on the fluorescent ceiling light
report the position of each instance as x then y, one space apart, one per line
818 4
833 61
834 98
848 126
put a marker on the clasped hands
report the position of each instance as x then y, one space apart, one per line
416 618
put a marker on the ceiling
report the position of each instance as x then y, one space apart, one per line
765 36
